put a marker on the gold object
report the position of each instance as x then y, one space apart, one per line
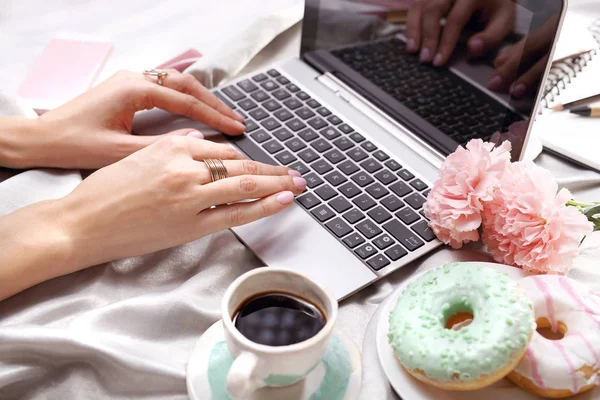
217 169
160 74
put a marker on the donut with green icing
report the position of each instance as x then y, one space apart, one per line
466 356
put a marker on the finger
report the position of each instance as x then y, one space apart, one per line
135 143
228 216
528 80
457 19
247 187
247 167
186 83
432 15
500 24
205 149
189 106
506 72
413 27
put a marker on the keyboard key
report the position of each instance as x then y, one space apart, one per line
349 190
302 96
418 184
343 143
308 135
323 111
274 73
308 155
346 128
395 253
321 166
392 203
269 85
270 123
353 240
336 178
422 212
326 192
303 169
365 251
406 175
357 154
259 77
330 133
259 114
271 105
260 136
283 114
283 80
378 262
323 213
247 85
309 200
407 215
280 94
340 204
292 103
364 202
285 157
409 239
252 150
273 146
335 156
385 177
313 180
334 120
393 165
305 113
371 165
379 214
368 228
339 227
260 96
377 191
321 145
353 216
250 125
293 88
295 125
400 188
424 230
283 134
317 123
384 241
380 155
362 178
426 193
348 167
312 103
415 200
368 146
295 144
224 99
357 137
233 93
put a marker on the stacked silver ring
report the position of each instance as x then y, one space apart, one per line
217 169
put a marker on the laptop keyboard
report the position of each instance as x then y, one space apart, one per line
370 202
438 96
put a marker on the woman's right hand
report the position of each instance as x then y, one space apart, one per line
162 196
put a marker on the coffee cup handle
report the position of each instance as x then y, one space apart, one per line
241 379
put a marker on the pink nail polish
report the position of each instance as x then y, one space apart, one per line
240 116
424 55
196 134
240 126
437 61
285 197
300 183
495 83
519 90
293 172
476 45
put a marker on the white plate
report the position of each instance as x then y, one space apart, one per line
411 389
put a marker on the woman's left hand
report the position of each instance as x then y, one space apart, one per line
94 129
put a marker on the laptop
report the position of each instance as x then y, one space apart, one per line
368 126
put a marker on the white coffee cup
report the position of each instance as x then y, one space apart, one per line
258 365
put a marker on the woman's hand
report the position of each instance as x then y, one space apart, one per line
424 30
94 129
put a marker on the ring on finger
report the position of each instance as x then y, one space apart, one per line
217 169
160 74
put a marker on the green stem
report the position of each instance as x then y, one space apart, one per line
590 210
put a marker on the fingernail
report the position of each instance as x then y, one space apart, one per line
239 116
424 55
518 90
196 134
411 45
240 126
476 45
293 172
285 197
437 61
300 183
495 83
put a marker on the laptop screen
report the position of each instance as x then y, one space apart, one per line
448 70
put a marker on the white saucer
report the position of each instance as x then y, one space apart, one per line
337 377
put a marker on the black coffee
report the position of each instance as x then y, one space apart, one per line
278 319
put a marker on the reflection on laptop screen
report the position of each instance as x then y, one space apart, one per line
449 71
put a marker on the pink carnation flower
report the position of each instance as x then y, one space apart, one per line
529 225
466 180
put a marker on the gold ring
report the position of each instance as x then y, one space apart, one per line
217 169
160 74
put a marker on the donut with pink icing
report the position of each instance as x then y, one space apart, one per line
557 367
